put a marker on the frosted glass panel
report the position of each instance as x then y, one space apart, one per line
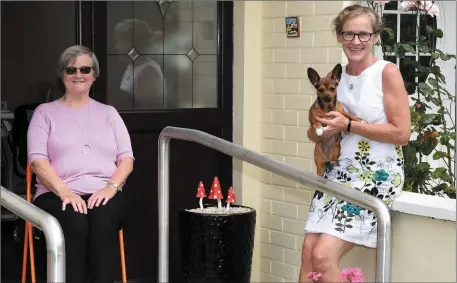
162 54
138 84
116 66
119 36
205 27
148 28
178 72
178 28
205 81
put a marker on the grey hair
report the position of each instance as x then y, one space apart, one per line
71 53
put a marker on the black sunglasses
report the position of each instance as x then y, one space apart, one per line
72 70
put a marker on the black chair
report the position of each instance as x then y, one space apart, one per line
14 154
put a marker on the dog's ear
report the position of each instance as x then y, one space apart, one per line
313 77
336 73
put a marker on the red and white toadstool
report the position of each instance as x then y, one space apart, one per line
201 193
230 197
216 192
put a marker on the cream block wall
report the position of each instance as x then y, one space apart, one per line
247 109
423 250
286 96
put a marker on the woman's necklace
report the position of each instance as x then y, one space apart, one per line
351 83
86 148
351 77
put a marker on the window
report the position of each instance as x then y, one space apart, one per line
406 27
162 54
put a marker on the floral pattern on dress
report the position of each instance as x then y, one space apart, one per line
380 178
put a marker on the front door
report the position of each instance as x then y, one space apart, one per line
163 64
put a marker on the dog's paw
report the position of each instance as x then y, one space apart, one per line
319 131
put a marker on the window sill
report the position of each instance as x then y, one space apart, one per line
426 206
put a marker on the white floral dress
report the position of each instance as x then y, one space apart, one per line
372 167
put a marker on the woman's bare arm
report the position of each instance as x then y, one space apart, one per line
124 168
48 177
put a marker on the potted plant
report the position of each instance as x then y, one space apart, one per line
432 120
217 241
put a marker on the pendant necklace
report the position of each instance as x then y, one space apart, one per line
86 148
351 83
350 77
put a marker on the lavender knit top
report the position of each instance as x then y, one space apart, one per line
59 133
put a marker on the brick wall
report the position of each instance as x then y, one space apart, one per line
286 96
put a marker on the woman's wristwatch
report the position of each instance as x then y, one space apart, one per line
348 129
114 185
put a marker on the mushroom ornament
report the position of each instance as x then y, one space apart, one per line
216 192
201 193
230 197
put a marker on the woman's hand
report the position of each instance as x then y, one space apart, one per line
336 123
69 197
104 195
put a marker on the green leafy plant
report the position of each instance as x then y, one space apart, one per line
432 123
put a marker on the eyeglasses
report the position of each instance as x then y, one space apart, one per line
72 70
363 36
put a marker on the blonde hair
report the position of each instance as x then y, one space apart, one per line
356 10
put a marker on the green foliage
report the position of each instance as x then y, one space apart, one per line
432 125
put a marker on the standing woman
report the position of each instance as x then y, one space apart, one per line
371 158
80 151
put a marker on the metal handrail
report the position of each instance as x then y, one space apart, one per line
47 223
383 255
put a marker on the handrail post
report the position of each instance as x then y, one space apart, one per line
383 253
51 228
383 249
163 196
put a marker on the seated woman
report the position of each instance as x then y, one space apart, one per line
81 152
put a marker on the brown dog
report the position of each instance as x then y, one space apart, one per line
326 151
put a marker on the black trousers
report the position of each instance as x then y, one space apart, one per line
91 240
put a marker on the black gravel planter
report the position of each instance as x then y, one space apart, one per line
217 244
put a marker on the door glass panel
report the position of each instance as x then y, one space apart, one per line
148 27
205 81
178 70
116 66
178 28
119 36
205 27
162 54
